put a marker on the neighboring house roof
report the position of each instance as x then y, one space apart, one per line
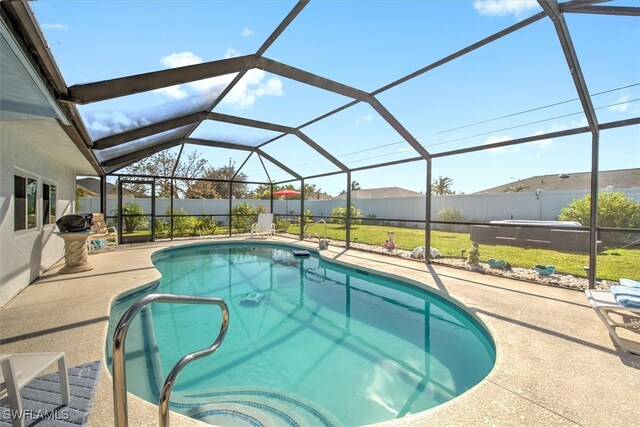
93 185
622 178
321 196
375 193
86 192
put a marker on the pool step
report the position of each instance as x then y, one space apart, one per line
255 408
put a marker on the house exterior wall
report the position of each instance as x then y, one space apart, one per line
25 254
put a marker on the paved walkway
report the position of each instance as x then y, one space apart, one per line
556 363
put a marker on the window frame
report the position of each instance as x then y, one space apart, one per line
27 177
49 217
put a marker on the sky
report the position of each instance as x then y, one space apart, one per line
517 86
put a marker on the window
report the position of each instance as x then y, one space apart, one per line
25 199
48 203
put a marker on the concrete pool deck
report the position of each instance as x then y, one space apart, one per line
556 363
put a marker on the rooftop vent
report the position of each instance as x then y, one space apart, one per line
563 175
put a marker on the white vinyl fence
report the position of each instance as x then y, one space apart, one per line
475 207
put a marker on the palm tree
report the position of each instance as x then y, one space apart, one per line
442 185
355 186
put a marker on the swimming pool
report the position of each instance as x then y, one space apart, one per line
326 344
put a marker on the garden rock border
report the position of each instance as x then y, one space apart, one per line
558 279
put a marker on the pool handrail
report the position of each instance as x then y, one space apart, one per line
119 369
321 220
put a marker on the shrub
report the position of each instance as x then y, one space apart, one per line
183 224
341 214
207 225
79 196
451 215
162 227
242 216
281 226
133 222
614 210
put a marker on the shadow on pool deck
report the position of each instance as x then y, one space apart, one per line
556 363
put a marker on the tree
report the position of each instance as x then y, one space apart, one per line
223 173
442 185
614 210
161 164
355 186
202 190
311 191
262 191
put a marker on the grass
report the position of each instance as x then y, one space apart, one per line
137 233
612 263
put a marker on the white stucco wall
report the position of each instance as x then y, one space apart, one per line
24 255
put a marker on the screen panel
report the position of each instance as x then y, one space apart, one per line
235 134
359 136
515 87
267 97
392 38
152 35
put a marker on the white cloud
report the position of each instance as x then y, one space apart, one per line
251 88
543 143
231 53
180 59
365 118
499 150
517 8
622 105
175 92
246 32
101 123
60 27
245 93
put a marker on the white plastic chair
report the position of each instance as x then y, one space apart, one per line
264 225
17 370
604 305
103 236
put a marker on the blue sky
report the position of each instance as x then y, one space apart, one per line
367 45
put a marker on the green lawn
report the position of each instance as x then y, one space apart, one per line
612 264
137 233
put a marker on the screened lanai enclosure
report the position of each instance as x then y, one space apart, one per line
197 115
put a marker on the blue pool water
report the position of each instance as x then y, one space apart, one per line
327 345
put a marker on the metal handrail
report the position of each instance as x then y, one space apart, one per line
119 370
325 231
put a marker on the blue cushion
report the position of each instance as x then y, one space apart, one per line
98 243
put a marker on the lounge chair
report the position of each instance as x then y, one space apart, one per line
102 235
17 370
604 304
264 225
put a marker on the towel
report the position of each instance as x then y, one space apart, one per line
626 295
630 283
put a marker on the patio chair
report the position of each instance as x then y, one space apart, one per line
17 370
264 225
604 304
102 236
